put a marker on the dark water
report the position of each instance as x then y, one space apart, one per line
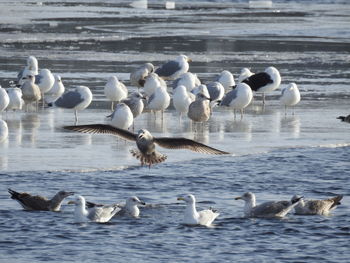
274 156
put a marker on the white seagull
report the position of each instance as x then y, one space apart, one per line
135 103
316 207
31 69
188 79
238 98
268 209
4 130
181 99
226 79
245 73
16 101
56 91
4 99
192 217
159 100
45 80
77 99
174 68
122 116
99 214
138 76
153 81
115 90
290 96
266 81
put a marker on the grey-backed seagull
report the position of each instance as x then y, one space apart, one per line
174 68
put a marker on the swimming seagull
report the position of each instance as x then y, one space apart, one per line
4 99
121 117
344 118
138 76
115 90
77 99
238 98
174 68
146 143
245 73
16 101
199 110
192 217
266 81
130 208
30 69
290 96
267 209
99 214
39 203
45 80
30 91
316 207
56 91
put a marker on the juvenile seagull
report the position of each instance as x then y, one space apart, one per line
174 68
99 214
192 217
290 96
267 209
30 91
266 81
344 118
138 76
316 207
199 110
39 203
146 143
130 208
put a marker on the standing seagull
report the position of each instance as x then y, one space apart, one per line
146 143
192 217
138 76
226 79
181 99
316 207
152 82
45 80
188 79
115 90
174 68
238 98
267 209
30 69
77 99
39 203
199 110
121 117
216 90
16 101
99 214
135 103
31 92
245 73
264 81
4 99
290 96
56 91
159 100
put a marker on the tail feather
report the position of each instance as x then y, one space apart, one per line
149 159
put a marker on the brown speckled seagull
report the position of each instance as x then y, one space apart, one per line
146 143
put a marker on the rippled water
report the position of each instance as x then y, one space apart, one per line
273 155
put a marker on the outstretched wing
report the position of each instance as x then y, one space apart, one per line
103 129
183 143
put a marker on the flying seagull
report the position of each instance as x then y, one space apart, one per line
39 203
146 143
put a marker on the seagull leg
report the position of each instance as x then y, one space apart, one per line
42 95
263 97
285 110
241 110
76 117
112 105
234 113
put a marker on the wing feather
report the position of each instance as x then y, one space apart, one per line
103 129
183 143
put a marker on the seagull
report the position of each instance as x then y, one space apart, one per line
226 79
153 81
216 90
188 79
344 118
174 68
201 89
267 209
135 103
238 98
30 69
199 110
40 203
56 91
16 101
130 208
316 207
137 77
115 90
4 130
181 99
192 217
45 80
99 214
266 81
159 100
146 143
122 117
245 73
77 99
290 96
4 99
31 91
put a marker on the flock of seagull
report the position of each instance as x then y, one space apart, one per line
90 212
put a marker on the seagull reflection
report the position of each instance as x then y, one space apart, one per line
290 124
4 131
30 123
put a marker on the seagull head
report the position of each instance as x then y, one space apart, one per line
57 78
248 196
184 57
149 67
201 96
296 198
143 133
134 200
64 194
79 200
188 198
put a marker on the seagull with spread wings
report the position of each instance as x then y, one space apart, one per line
146 143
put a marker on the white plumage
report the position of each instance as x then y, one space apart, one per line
115 90
181 99
4 99
122 116
226 79
290 95
16 101
56 91
245 73
4 131
159 100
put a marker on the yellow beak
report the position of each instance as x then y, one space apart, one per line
180 198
